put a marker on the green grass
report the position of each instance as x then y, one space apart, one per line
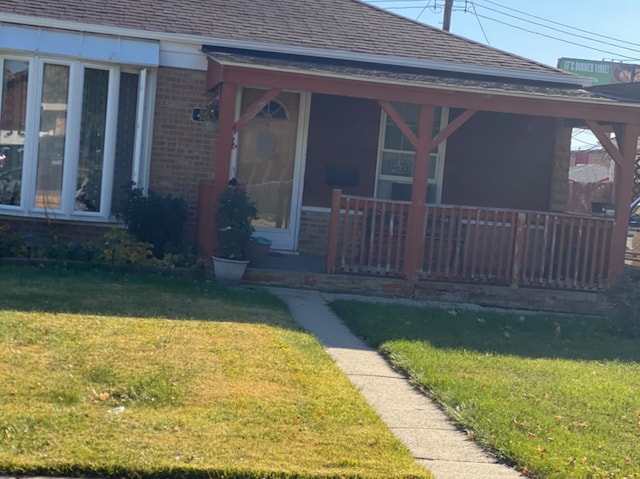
142 376
558 397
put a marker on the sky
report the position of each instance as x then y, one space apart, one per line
541 30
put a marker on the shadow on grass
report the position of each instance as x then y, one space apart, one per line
523 335
100 292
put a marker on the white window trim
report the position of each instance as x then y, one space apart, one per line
438 154
142 145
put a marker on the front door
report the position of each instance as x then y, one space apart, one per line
270 163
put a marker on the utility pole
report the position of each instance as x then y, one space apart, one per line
446 21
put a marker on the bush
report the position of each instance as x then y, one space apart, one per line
10 243
121 248
233 222
155 219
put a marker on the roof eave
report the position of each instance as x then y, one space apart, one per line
468 89
551 77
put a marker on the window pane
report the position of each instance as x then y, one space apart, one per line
53 126
12 126
433 160
392 136
397 164
126 138
409 112
432 193
92 131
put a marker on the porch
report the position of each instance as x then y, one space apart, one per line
498 246
469 177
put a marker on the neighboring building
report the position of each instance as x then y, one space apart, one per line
312 96
601 72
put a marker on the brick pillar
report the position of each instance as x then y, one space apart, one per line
559 193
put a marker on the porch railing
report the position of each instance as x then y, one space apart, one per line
467 244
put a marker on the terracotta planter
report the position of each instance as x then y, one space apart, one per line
228 272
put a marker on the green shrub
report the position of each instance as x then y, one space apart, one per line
233 222
155 219
121 248
10 243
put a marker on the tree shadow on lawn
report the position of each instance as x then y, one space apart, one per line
105 293
536 335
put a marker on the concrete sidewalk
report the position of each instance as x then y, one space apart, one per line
412 417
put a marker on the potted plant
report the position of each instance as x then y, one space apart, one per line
233 233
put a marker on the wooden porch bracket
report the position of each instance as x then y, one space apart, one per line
606 143
255 108
400 123
452 127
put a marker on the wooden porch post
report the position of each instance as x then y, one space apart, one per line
224 147
414 249
627 139
334 220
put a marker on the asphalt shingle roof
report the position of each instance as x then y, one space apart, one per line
343 25
407 75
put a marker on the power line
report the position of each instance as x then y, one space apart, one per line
473 4
556 38
558 23
561 31
480 24
423 10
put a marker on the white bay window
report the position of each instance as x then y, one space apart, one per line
71 136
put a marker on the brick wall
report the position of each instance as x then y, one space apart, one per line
45 232
559 193
314 232
183 150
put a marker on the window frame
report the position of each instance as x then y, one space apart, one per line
437 156
141 152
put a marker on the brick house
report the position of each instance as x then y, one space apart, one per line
387 146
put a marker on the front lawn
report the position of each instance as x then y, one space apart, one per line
142 376
559 397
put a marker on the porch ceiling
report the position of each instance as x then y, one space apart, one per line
417 86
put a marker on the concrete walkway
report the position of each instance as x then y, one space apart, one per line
412 417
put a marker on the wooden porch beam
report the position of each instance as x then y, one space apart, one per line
255 108
400 123
481 100
452 127
606 143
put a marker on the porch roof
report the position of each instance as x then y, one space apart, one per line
416 77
